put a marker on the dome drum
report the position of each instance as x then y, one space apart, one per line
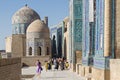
37 35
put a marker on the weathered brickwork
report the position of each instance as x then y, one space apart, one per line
10 69
18 45
30 61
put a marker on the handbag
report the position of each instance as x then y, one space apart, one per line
41 68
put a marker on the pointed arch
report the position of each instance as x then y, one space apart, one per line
47 50
30 50
65 48
39 51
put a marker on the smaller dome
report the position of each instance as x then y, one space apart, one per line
66 19
38 26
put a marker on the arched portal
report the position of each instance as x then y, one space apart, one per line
39 50
30 50
65 48
54 53
59 46
47 50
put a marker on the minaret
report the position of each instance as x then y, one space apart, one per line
46 20
26 5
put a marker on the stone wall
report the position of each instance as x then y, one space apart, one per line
115 69
8 41
30 61
100 74
78 56
10 69
85 71
18 45
78 60
78 68
81 71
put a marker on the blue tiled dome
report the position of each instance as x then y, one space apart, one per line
25 15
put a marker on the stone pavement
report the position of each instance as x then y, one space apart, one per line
49 75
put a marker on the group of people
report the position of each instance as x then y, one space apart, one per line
59 63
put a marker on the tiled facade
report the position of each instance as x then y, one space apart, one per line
76 22
100 36
56 31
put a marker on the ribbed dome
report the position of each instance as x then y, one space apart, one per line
25 15
38 26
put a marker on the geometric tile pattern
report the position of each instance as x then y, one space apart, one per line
24 15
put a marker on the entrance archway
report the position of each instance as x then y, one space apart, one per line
47 50
30 50
39 51
65 48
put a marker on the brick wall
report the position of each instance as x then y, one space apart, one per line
10 69
30 61
18 45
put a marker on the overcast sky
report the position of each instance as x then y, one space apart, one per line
56 10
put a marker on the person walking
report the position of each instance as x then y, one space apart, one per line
57 64
39 67
49 65
46 65
62 64
38 70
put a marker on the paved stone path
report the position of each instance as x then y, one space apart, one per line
50 75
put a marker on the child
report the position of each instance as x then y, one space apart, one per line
66 65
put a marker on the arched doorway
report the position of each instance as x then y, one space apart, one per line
39 50
47 50
54 52
59 46
30 50
65 48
